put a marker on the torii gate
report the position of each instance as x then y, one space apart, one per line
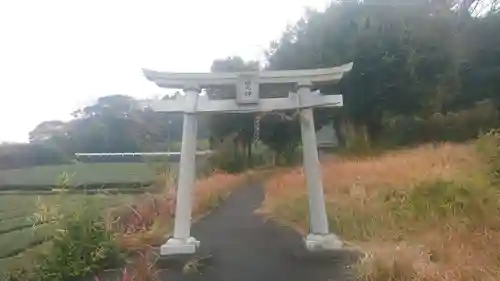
247 99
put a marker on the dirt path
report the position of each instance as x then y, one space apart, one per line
244 246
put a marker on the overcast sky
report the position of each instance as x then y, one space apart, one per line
56 56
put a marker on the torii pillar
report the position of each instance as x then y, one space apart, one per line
247 99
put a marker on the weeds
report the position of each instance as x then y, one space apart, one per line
391 270
143 268
440 200
87 242
228 157
428 213
293 213
143 224
196 265
80 246
488 146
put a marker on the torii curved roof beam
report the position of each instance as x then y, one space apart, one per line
205 80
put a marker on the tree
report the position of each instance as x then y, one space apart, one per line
112 124
239 126
281 133
47 130
15 156
407 56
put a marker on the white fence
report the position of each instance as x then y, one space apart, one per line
203 152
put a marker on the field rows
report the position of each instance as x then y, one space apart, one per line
15 242
82 174
13 214
19 238
10 225
24 258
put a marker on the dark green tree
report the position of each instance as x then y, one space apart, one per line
239 126
408 57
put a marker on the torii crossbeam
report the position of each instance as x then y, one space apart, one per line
246 87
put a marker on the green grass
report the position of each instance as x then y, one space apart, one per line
9 225
81 174
15 242
22 206
25 259
18 237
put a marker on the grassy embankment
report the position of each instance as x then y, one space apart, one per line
428 213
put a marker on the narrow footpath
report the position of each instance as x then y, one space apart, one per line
239 245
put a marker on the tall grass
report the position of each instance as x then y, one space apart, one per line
86 241
147 222
80 245
428 213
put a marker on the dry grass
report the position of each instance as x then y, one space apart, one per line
427 213
212 190
364 176
147 223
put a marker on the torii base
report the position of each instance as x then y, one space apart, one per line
322 242
176 246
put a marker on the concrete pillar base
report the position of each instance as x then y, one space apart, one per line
175 246
323 242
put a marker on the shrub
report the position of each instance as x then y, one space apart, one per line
452 126
289 156
434 201
15 156
488 147
262 155
228 158
81 245
356 140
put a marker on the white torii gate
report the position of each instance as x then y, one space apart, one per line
247 99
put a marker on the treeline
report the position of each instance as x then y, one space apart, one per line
424 70
13 156
112 124
416 63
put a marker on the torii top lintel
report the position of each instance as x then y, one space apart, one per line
247 84
205 80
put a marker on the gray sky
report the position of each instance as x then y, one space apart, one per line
56 56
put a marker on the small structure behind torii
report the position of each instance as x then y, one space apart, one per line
246 86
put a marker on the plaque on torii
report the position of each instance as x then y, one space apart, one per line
247 98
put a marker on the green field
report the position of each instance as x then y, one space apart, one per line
19 238
81 174
21 191
89 175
